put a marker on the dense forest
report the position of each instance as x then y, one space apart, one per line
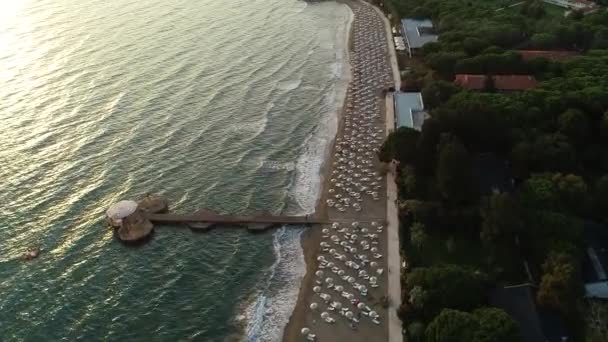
461 240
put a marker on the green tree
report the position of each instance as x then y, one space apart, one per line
559 287
495 325
437 92
573 192
427 145
416 331
601 197
400 145
554 153
501 218
447 286
544 40
417 297
408 183
452 326
604 128
444 62
418 236
473 45
455 173
600 38
574 124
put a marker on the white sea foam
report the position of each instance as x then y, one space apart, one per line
289 85
269 313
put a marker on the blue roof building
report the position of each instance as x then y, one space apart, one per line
417 33
409 110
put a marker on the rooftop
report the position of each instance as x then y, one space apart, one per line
409 110
550 55
501 82
418 32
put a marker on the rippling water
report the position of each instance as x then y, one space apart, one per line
222 104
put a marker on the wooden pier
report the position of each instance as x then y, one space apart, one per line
205 219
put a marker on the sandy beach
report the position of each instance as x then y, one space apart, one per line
362 128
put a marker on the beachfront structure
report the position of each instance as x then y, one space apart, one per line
556 56
417 33
499 82
399 43
583 5
409 110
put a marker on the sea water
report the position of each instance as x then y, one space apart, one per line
225 105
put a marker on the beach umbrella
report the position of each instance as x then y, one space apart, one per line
373 314
324 315
317 289
319 273
374 249
351 280
373 279
305 331
373 264
329 280
349 314
339 288
314 306
341 272
361 306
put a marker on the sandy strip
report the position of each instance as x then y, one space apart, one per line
374 210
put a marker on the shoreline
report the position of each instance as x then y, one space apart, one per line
312 237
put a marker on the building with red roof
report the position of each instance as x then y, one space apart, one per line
556 56
500 82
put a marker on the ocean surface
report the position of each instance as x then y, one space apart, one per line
227 105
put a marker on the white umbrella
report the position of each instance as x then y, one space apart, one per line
360 306
337 305
339 288
329 280
348 314
324 315
305 331
314 306
317 289
319 273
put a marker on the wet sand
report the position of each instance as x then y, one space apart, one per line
373 210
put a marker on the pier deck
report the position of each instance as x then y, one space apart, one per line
233 219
